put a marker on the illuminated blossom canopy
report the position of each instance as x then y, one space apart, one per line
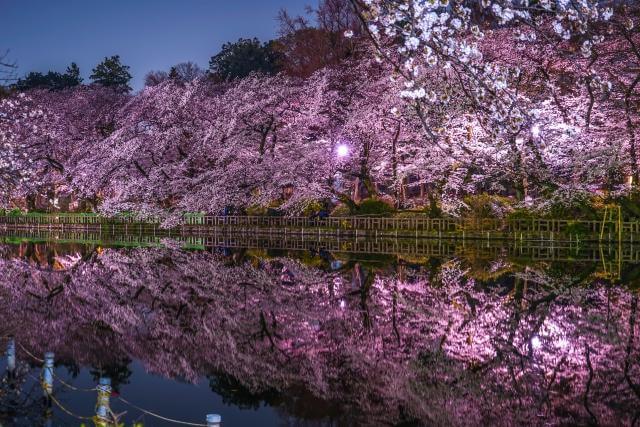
20 137
534 101
506 62
447 35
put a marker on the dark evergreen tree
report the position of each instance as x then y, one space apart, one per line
112 73
239 59
173 74
36 80
72 76
51 80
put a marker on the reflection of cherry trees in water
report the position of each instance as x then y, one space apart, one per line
447 342
20 400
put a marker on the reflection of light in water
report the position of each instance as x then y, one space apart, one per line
214 420
555 334
67 261
536 343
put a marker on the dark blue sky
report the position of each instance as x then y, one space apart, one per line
147 34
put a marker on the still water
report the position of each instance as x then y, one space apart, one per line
324 333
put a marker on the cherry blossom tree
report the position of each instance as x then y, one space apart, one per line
22 141
530 102
618 59
135 162
451 43
59 128
447 35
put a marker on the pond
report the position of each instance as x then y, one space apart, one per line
318 333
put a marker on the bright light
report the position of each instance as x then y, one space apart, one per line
535 131
536 343
343 150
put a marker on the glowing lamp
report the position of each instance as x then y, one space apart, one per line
535 131
343 150
536 343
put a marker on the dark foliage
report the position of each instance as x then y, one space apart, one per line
112 73
51 80
246 56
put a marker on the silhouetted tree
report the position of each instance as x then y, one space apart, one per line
239 59
51 80
173 74
187 71
154 78
7 68
112 73
73 74
182 72
305 48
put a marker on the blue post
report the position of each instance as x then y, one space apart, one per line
47 373
11 356
214 420
104 394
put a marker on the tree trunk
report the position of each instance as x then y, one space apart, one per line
394 165
356 190
632 133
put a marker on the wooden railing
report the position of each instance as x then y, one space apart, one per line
62 218
334 223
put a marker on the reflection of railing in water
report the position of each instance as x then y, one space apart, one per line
526 229
420 224
91 237
445 248
535 251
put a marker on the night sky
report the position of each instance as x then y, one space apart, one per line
148 35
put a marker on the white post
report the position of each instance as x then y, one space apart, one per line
104 394
11 356
47 373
